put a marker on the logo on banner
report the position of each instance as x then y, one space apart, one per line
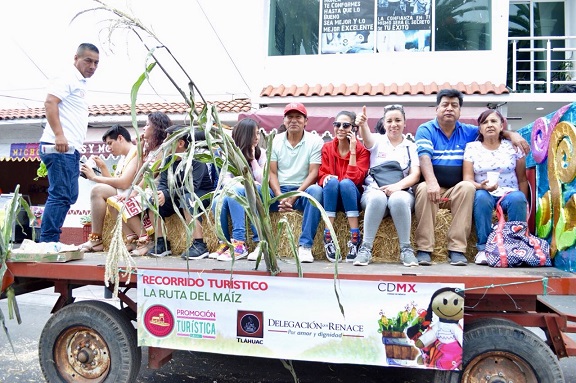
159 321
250 324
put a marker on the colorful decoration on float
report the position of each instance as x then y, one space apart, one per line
553 141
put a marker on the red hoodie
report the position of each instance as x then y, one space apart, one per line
334 164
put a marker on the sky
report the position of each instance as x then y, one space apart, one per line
39 38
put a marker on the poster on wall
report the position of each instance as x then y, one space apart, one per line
403 25
347 26
386 323
368 26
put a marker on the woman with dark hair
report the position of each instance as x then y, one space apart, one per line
154 132
246 135
344 165
136 229
396 199
493 153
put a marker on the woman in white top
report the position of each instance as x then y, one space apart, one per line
492 153
395 199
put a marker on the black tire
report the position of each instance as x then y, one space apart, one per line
505 353
89 342
490 322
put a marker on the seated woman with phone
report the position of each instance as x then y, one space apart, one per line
341 175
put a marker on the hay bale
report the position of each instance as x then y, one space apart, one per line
386 248
175 231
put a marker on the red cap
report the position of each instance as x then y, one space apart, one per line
297 107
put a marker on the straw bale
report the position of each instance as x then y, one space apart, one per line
175 233
386 247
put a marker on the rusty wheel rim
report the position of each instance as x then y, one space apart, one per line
82 355
498 367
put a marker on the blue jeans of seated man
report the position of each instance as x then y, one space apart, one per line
514 204
341 196
236 212
63 172
311 218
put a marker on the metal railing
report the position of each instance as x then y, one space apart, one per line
540 67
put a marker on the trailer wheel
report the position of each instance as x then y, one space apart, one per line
89 342
501 353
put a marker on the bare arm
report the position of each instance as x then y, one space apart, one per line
517 141
430 178
273 178
365 133
53 117
521 175
124 181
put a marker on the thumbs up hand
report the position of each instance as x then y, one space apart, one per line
361 118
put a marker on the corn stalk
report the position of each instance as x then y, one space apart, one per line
10 216
256 204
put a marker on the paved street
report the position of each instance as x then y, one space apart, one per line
191 366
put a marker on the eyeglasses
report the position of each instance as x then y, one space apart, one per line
345 125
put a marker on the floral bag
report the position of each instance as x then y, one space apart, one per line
510 244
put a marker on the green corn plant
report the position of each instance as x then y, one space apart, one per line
10 214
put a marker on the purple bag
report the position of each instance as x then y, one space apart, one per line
510 244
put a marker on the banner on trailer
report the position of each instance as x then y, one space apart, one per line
385 323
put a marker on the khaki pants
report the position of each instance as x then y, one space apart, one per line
460 201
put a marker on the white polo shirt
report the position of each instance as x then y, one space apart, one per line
71 89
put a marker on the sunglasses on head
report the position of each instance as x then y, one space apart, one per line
393 106
345 125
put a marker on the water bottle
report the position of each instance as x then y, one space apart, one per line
51 149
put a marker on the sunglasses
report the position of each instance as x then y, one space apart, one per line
345 125
393 107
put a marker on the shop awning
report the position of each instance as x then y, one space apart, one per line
320 118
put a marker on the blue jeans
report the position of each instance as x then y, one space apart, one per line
514 205
63 172
311 218
341 195
236 212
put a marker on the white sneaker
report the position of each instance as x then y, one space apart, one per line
480 258
305 254
253 256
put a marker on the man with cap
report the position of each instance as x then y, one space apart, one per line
294 164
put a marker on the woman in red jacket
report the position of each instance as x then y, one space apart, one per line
345 162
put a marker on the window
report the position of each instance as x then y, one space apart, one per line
463 25
294 26
530 20
308 27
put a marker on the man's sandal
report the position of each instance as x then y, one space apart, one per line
94 244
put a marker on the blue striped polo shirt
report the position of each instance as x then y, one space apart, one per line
446 153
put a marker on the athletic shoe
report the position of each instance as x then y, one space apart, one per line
253 256
480 258
363 257
161 248
240 251
407 257
222 247
457 258
329 247
198 250
305 254
423 258
353 245
352 251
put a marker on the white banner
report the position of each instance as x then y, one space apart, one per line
300 319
